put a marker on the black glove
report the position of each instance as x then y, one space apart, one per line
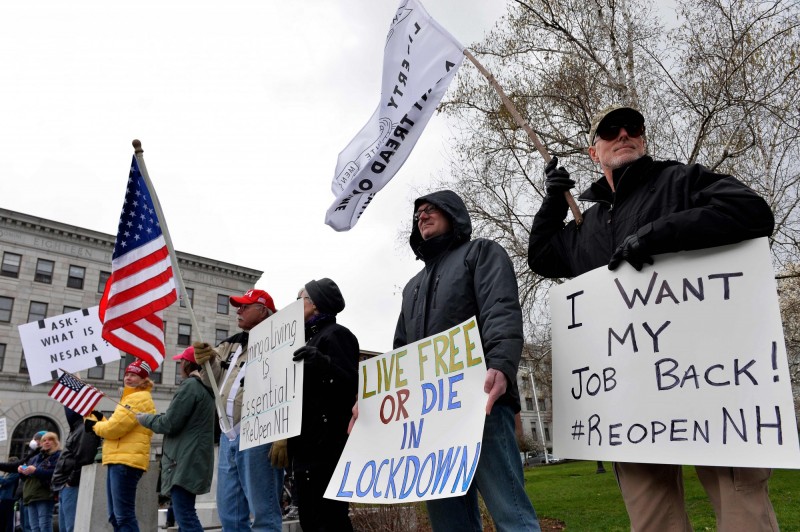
312 356
97 414
88 425
556 180
632 251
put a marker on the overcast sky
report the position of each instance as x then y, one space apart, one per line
242 108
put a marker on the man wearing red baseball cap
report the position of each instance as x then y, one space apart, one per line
246 481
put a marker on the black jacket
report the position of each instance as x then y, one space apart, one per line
329 393
464 278
669 205
79 450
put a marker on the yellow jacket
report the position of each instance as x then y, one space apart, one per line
125 441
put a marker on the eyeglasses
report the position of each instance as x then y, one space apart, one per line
430 209
304 297
242 308
611 132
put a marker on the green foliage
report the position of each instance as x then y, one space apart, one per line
573 492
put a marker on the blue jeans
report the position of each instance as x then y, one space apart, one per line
500 481
183 509
121 481
67 502
40 515
247 483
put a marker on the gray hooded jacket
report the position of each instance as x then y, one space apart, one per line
464 278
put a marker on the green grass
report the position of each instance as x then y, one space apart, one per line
574 493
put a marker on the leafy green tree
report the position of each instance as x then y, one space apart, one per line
718 85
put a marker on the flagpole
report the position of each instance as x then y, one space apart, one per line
573 206
138 152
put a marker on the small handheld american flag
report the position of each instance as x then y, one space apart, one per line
75 394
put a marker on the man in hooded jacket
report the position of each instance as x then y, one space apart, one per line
79 450
464 278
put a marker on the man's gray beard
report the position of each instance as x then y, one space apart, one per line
624 160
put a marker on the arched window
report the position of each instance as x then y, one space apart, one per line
23 434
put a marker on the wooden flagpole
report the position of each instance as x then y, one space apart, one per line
138 151
573 206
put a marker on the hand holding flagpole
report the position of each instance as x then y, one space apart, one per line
573 206
138 151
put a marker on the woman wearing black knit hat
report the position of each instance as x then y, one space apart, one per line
330 383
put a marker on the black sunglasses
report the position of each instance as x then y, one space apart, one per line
612 132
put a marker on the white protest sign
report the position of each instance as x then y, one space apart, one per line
273 398
71 342
3 430
421 410
420 59
681 363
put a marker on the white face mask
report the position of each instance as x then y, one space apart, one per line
33 445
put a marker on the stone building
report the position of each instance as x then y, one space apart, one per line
49 268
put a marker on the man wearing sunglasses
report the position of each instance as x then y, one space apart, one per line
643 207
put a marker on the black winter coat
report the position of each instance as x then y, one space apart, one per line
79 450
464 278
329 394
670 206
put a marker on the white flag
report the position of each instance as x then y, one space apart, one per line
419 61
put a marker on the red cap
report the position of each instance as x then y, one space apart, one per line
254 296
188 354
140 368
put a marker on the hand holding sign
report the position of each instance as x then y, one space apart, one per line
420 421
684 364
312 356
495 385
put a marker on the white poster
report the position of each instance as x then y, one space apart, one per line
273 396
71 342
681 363
420 424
420 60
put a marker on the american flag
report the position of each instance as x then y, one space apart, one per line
75 394
142 282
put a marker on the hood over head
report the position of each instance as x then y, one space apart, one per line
73 418
453 206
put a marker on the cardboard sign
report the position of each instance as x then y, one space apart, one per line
273 396
681 363
420 424
71 342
